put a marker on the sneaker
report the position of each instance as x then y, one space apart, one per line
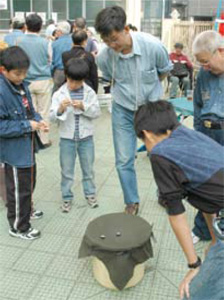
132 209
30 234
36 214
195 238
92 201
66 207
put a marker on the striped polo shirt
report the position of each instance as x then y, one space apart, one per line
77 95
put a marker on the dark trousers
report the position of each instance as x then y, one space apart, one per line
200 226
20 184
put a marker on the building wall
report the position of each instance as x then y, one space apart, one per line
65 9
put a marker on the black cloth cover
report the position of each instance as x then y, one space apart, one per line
120 241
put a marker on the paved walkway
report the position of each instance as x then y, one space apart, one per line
49 269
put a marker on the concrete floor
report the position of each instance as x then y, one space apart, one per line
49 269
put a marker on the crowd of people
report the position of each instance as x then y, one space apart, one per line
63 82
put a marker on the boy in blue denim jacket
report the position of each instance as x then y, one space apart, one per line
18 125
199 176
74 106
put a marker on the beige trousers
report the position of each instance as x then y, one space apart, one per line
41 92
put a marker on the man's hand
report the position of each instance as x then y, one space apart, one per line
44 126
184 286
35 125
78 104
63 105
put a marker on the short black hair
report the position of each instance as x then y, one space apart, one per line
158 117
80 23
179 46
15 58
79 36
34 23
109 19
76 69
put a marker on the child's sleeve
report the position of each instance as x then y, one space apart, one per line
91 106
169 179
12 127
54 116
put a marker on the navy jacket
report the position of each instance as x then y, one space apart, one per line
15 131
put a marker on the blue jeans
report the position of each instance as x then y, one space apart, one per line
200 226
208 284
175 82
68 152
125 143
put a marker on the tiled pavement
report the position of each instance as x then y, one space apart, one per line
48 268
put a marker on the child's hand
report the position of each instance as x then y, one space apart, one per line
63 106
44 126
35 125
78 104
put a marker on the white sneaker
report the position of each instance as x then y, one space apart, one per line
195 238
92 201
30 234
66 207
36 214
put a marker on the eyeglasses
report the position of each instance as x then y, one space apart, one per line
206 63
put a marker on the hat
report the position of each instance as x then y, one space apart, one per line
18 21
179 45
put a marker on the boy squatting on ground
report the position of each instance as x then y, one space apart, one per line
187 163
74 106
18 124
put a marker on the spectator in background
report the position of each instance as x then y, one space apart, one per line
79 42
80 24
208 48
50 29
39 73
18 29
132 27
61 45
182 71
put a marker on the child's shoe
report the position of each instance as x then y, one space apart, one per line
92 201
36 214
30 234
66 207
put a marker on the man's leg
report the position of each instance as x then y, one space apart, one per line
208 283
186 85
174 81
43 89
201 228
125 148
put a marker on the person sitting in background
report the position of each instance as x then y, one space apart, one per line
19 27
79 42
182 71
62 44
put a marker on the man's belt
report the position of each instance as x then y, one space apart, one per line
213 124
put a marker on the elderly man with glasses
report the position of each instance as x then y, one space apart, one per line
208 48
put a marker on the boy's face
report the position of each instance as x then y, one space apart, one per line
74 84
15 76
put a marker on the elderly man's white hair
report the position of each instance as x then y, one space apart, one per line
207 41
64 27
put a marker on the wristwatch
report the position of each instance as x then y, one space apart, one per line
196 264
